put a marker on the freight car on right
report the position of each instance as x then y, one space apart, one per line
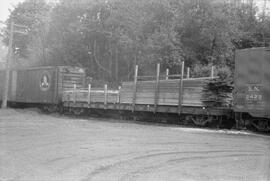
252 88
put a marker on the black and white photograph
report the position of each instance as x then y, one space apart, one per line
134 90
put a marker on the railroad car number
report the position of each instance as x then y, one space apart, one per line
254 97
254 94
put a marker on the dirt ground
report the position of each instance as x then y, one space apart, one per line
36 146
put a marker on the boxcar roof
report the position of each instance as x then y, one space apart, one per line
255 48
43 67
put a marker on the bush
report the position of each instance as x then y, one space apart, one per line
201 71
223 72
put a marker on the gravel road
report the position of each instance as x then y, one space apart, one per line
37 147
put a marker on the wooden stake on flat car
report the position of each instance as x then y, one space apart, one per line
74 93
89 94
180 96
188 73
105 95
157 88
167 74
118 97
212 72
135 88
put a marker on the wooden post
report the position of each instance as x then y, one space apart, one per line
180 96
135 88
118 101
74 93
119 90
212 72
10 52
89 94
167 74
157 88
116 65
105 95
188 73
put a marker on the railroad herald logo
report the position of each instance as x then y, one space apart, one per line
45 81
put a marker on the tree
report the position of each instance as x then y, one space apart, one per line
108 38
32 16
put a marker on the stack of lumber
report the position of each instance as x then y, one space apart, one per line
168 92
68 76
96 96
218 92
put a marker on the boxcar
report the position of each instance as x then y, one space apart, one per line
42 85
252 86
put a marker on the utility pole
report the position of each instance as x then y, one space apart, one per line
263 20
10 53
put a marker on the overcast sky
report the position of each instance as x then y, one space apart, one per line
4 6
7 4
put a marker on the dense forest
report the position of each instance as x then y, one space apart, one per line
109 37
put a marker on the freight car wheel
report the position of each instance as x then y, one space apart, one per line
201 120
77 111
49 108
187 120
261 125
52 108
